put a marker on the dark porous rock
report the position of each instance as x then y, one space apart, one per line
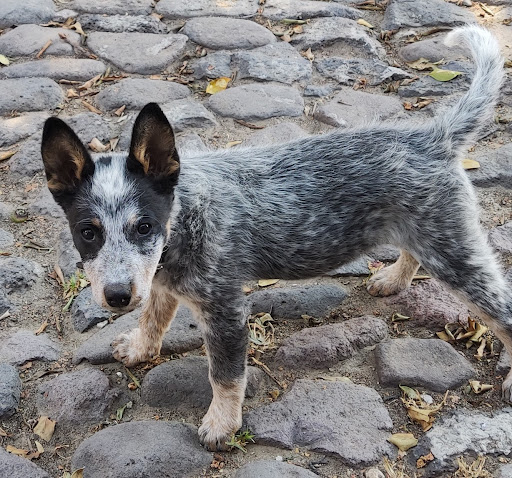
429 304
18 274
67 255
424 13
354 108
134 93
22 346
214 65
27 161
20 127
83 396
5 303
10 390
184 335
257 101
504 363
112 7
432 49
357 267
204 8
186 113
45 205
29 39
29 94
85 313
348 71
275 134
495 168
272 469
294 302
273 62
324 346
184 383
304 9
333 425
501 237
221 33
190 143
143 449
122 23
154 53
13 466
14 12
430 363
318 90
6 239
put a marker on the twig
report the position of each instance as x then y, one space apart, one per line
249 125
45 47
91 107
267 371
79 50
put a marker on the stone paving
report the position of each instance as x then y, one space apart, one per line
323 394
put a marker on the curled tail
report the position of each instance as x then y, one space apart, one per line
462 122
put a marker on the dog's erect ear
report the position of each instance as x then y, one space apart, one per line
153 148
66 160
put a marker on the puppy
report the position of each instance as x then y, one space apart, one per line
215 220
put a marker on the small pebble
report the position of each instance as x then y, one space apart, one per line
427 399
119 374
373 473
279 458
102 324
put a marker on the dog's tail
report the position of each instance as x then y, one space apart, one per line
462 122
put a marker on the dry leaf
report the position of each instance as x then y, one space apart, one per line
45 428
230 144
421 412
36 454
16 451
423 64
71 93
220 84
424 460
97 146
364 23
78 28
267 282
90 83
7 154
478 387
91 107
42 328
78 473
407 105
396 317
308 54
3 433
403 441
298 29
120 110
4 60
286 38
470 164
113 143
410 392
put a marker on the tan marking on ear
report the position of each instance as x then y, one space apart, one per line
54 185
96 222
139 152
173 167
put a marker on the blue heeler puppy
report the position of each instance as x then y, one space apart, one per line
291 211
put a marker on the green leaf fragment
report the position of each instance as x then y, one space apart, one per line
444 75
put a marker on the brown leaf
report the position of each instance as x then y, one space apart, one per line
7 154
97 146
267 282
45 428
286 38
3 433
16 451
120 110
479 388
42 328
91 107
407 105
423 460
308 54
90 83
71 93
113 143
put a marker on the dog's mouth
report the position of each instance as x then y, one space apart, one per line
123 309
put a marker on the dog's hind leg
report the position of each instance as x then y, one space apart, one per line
226 336
144 343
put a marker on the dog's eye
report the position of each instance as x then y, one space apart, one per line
144 228
88 234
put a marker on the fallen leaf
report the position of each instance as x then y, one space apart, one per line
71 93
480 351
90 83
407 105
113 143
267 282
410 392
120 412
291 21
479 388
16 451
42 328
134 379
308 54
36 454
215 86
286 38
78 28
120 110
7 154
4 60
422 102
91 107
230 144
3 433
364 23
444 75
78 473
424 459
298 29
45 428
403 441
396 317
486 9
423 64
97 146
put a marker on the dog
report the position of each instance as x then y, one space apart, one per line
154 229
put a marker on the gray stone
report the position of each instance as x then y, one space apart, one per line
76 398
325 346
185 114
29 39
504 363
112 7
326 31
22 346
10 390
88 126
354 108
429 304
29 94
199 8
293 302
154 53
16 467
505 471
142 449
333 425
271 469
56 68
189 143
6 209
20 127
6 238
18 274
501 237
495 168
45 205
13 12
85 313
27 161
318 90
122 23
221 33
5 303
184 384
274 62
137 92
348 71
67 255
432 49
305 9
257 101
184 335
424 13
357 267
429 363
213 65
428 86
275 134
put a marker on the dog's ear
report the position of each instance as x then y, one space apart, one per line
66 160
153 148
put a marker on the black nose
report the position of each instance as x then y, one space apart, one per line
118 295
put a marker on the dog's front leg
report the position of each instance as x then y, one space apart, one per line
226 338
144 343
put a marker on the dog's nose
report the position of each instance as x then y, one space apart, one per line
118 295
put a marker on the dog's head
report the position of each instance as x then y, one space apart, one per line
118 205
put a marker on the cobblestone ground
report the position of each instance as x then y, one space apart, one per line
323 396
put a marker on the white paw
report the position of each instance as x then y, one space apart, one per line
217 429
130 348
386 282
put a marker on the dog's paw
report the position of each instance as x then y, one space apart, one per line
506 389
215 430
387 281
130 348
